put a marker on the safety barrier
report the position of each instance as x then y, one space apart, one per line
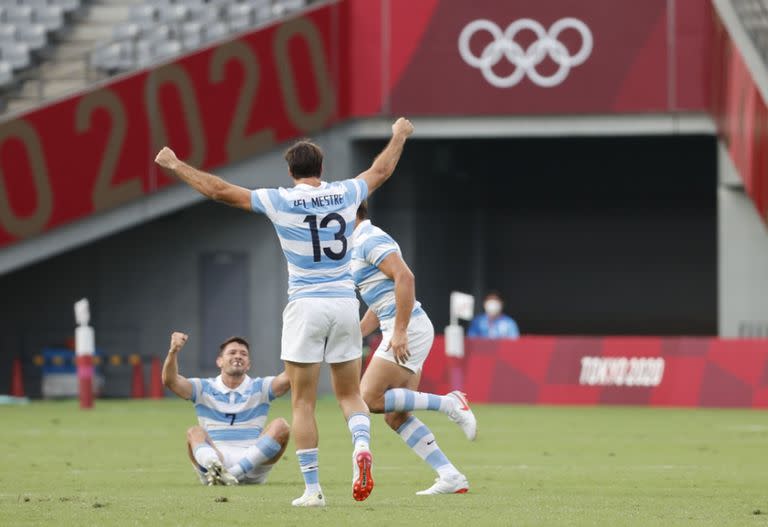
656 371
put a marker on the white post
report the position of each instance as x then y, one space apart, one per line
462 307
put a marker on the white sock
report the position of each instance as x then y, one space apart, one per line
360 427
204 454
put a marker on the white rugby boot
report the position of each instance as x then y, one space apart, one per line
218 475
310 499
462 415
453 484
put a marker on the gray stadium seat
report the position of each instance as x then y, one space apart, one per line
67 5
191 4
263 14
6 73
282 7
220 4
204 13
172 14
52 17
34 3
142 54
215 31
143 14
20 14
167 49
7 33
157 34
126 31
35 36
191 35
16 54
239 16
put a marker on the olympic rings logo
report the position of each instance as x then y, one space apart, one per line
525 60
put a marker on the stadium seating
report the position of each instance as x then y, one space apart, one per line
161 29
27 29
754 16
133 35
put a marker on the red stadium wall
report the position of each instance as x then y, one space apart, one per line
351 58
742 117
613 370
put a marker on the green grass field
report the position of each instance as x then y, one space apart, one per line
124 463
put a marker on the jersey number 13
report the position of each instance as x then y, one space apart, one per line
338 235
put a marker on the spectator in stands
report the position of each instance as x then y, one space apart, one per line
493 324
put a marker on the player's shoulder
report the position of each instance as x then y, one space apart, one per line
367 230
257 384
348 185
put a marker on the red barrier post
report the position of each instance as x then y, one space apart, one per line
156 380
17 379
85 380
137 386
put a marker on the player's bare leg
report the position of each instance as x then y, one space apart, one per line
345 378
205 455
304 378
380 376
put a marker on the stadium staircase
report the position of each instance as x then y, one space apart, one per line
64 68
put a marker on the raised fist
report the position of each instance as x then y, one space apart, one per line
177 341
403 127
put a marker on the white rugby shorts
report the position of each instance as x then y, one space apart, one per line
420 337
321 329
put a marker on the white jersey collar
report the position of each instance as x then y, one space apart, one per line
305 186
223 388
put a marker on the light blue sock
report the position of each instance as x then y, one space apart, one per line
265 449
402 400
309 468
360 426
421 440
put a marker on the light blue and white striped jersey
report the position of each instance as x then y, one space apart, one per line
370 245
314 225
235 417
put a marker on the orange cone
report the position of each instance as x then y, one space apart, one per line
17 379
156 380
137 386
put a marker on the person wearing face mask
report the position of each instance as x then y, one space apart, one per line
493 324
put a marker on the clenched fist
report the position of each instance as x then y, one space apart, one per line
402 127
177 341
166 158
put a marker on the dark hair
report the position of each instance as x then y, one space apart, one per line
494 292
230 340
362 210
305 159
